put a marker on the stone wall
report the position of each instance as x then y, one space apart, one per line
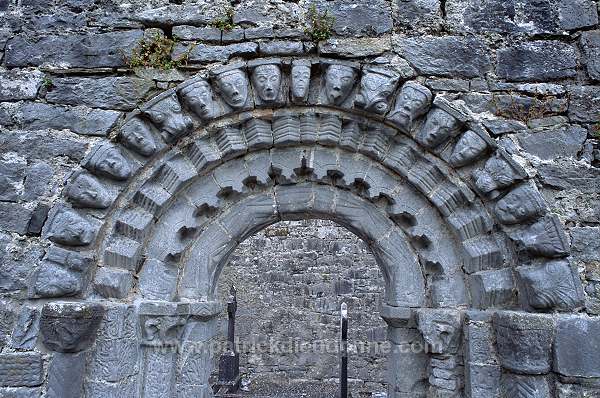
291 279
529 70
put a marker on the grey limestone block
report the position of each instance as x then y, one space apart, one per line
577 14
171 14
525 386
493 289
27 326
157 280
560 142
66 373
576 346
582 104
21 370
38 218
590 43
114 360
449 56
99 50
482 380
113 282
123 253
21 392
585 243
441 329
202 53
281 47
537 61
14 217
205 34
524 341
16 85
359 19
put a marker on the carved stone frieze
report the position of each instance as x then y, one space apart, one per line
168 116
267 81
544 238
136 135
231 83
85 190
300 80
376 89
200 99
469 148
441 329
496 175
339 81
412 102
108 161
438 128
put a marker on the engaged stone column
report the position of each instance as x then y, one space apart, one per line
407 360
161 324
196 356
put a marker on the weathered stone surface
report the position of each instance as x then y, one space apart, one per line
491 289
79 119
205 34
16 259
586 243
21 370
503 16
20 392
482 380
577 14
14 217
42 145
12 173
448 56
411 13
564 176
547 145
38 218
576 347
19 84
115 360
202 53
172 14
441 329
281 47
122 93
525 386
524 341
113 282
38 180
65 375
70 327
103 50
356 47
359 19
27 326
584 103
537 61
590 44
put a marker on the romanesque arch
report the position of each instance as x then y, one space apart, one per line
151 217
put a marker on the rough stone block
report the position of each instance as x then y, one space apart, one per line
281 47
524 341
79 119
21 370
448 56
590 43
14 217
356 47
441 329
20 392
65 375
411 13
18 85
359 19
586 243
205 34
491 289
525 386
537 61
202 53
577 14
584 104
482 381
26 329
12 173
99 50
172 14
576 347
123 253
122 93
113 282
551 144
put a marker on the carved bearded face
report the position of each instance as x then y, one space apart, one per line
519 205
266 80
199 97
70 229
300 82
410 104
136 136
339 80
167 114
467 149
233 86
438 127
375 92
86 191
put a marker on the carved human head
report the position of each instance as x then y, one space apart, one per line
496 175
469 148
300 80
520 204
438 127
551 286
233 87
376 87
168 116
107 160
198 96
441 330
86 191
136 135
339 81
266 80
412 101
69 228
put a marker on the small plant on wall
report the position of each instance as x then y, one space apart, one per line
225 21
155 52
319 25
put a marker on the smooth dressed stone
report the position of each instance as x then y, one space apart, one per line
576 347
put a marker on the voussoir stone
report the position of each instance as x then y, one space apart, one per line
449 56
79 119
576 347
590 43
122 93
565 142
101 50
503 16
537 61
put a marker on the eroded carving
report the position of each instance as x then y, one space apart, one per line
70 327
69 228
266 80
468 149
136 135
108 161
232 84
496 175
199 97
301 72
168 116
376 88
438 128
441 330
86 191
339 82
161 323
412 101
519 205
552 285
545 238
